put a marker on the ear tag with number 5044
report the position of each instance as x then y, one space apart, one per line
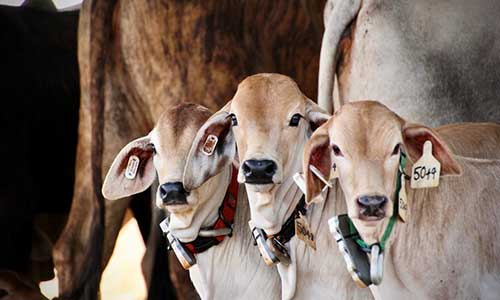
426 170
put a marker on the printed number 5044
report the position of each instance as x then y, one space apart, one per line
422 172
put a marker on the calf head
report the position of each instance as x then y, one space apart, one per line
162 152
365 140
268 121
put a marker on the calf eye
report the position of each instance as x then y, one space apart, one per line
151 146
336 150
396 149
234 121
294 121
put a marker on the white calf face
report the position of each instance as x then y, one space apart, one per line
163 152
268 121
364 140
366 152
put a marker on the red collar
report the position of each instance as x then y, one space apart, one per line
227 210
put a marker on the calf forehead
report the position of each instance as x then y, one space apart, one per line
177 128
267 98
366 128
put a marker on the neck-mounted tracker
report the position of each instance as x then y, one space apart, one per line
272 248
363 270
207 236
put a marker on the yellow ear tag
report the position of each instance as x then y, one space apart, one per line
303 231
132 166
425 172
334 173
403 201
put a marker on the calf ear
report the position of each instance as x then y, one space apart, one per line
317 154
315 115
132 170
213 149
414 137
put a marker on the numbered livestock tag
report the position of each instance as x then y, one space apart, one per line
303 231
210 144
132 167
334 173
425 172
402 201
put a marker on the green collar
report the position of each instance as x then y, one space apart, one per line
388 230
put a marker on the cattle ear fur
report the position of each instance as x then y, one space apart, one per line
201 164
315 115
317 154
414 137
116 185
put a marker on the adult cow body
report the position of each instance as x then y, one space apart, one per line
431 62
137 57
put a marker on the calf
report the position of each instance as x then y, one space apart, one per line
269 121
207 223
451 233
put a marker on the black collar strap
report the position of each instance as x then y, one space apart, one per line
288 229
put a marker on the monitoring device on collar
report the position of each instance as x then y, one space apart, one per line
356 259
185 257
271 249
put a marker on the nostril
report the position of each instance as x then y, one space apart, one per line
172 188
247 171
271 169
163 191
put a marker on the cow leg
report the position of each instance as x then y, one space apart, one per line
77 253
87 242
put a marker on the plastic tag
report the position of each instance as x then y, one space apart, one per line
403 201
425 172
300 181
319 175
132 167
210 144
303 231
334 173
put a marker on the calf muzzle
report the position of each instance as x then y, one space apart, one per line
372 206
259 171
173 193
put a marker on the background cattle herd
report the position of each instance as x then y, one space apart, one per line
280 144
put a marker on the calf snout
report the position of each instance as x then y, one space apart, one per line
259 171
372 206
173 193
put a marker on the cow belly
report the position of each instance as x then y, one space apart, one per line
429 62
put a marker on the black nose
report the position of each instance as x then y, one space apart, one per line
259 171
372 206
172 193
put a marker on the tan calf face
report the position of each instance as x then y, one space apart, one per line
162 152
364 140
268 121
